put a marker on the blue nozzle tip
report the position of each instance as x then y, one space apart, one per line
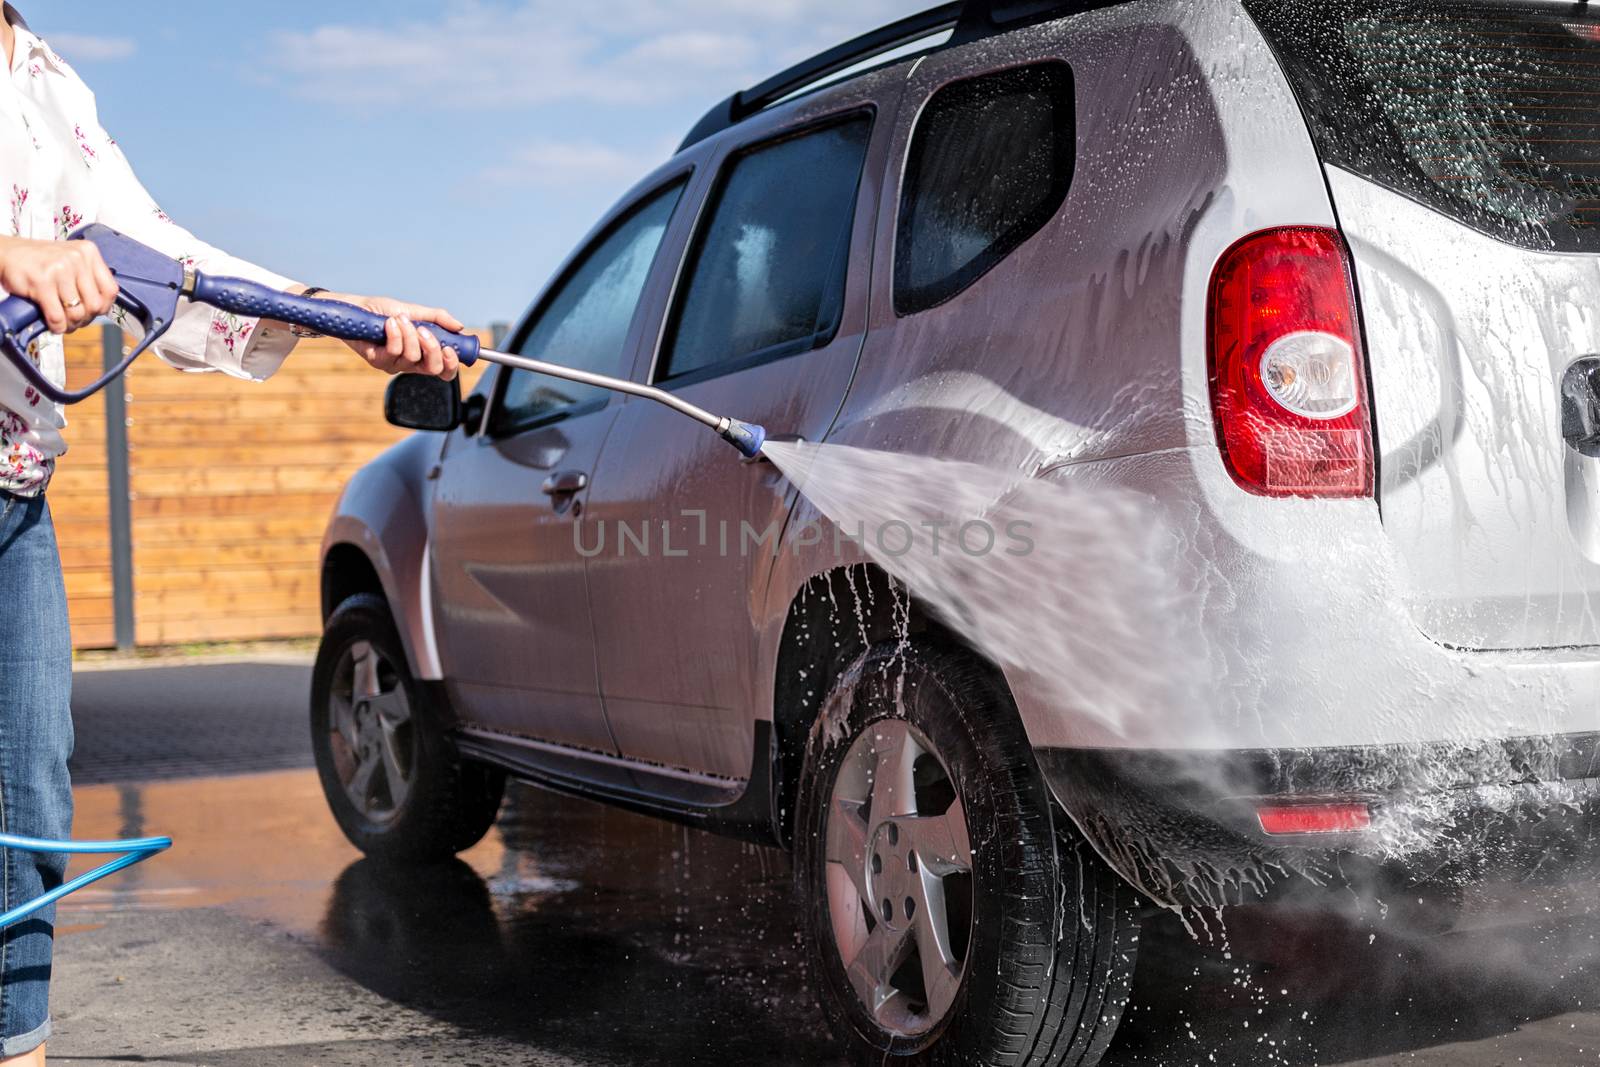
747 437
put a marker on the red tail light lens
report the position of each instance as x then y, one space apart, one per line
1314 818
1288 383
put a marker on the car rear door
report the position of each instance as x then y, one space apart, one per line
1462 145
511 606
766 325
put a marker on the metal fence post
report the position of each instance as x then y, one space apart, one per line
120 507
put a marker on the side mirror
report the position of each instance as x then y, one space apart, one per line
422 402
472 413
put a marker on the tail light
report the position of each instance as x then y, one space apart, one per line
1332 818
1288 383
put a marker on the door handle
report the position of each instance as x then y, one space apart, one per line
565 483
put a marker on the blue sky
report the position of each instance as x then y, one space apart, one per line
448 152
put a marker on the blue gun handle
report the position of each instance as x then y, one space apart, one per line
332 317
21 322
20 317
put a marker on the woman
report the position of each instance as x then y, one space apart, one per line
63 171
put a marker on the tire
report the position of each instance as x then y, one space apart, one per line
1040 973
417 800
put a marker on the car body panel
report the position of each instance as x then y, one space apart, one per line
1494 518
673 624
510 597
1087 343
509 585
383 512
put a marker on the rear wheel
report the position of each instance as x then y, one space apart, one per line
392 775
954 916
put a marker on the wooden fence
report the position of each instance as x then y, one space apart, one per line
226 487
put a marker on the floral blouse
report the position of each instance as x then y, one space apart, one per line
63 171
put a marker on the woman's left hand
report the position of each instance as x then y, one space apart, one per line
407 349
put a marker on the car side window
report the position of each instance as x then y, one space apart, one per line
767 276
584 322
990 163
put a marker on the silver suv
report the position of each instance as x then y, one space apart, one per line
1317 282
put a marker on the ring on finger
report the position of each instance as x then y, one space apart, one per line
73 304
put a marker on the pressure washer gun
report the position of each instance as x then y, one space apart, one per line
149 286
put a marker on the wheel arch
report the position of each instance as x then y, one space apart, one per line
346 571
377 542
833 618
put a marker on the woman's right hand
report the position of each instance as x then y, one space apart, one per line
68 280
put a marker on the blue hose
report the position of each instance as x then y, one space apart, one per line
133 849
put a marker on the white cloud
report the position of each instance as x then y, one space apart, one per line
516 53
699 49
86 47
567 164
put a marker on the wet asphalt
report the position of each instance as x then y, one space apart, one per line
577 934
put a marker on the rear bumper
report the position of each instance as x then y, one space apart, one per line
1184 826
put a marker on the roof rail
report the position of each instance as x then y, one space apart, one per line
983 18
742 105
970 19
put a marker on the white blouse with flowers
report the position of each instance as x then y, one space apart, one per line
60 171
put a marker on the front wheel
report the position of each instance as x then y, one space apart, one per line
953 914
391 773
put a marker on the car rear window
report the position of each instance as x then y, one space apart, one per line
1488 112
990 163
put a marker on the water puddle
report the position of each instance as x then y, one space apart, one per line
565 910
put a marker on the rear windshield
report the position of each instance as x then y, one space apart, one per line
1489 112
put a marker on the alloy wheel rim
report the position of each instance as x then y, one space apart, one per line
370 733
899 877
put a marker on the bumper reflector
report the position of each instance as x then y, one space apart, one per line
1314 818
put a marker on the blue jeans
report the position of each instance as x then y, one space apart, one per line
35 741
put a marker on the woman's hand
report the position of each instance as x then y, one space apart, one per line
68 280
407 349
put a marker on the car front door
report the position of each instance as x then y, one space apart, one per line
511 607
766 323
